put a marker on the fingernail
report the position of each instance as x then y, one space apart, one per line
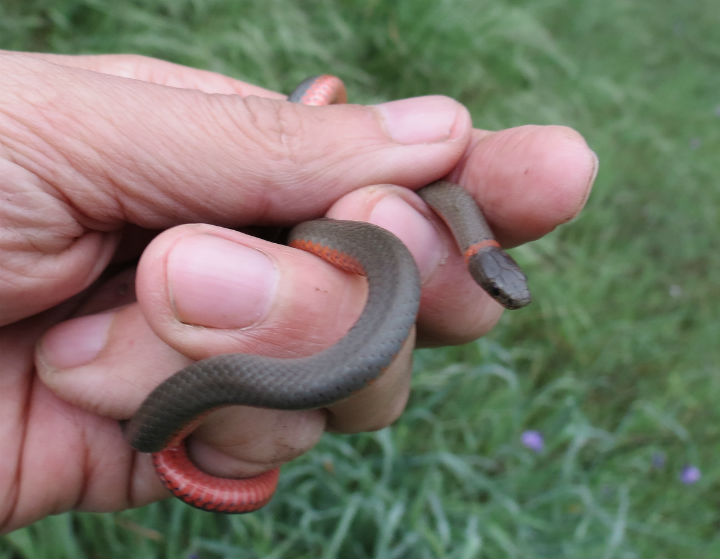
218 283
399 217
420 120
75 342
594 170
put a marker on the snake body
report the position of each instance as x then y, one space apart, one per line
173 409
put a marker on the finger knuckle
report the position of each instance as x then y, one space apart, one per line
276 129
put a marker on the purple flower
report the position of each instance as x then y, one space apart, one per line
690 474
533 440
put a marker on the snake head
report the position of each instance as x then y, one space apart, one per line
499 275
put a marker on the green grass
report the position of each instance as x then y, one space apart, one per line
615 362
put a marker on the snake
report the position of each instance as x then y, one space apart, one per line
177 405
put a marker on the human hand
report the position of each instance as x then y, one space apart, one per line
98 151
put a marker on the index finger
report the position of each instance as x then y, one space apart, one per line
528 180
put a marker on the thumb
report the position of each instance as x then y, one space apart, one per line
122 150
84 153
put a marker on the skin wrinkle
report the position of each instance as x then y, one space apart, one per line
6 154
24 413
192 199
127 183
272 136
277 135
298 179
20 152
116 186
92 464
41 126
133 480
86 472
21 236
284 126
11 511
42 159
257 337
235 135
54 270
15 485
117 189
143 206
276 129
294 168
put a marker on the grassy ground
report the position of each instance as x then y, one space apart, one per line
615 361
